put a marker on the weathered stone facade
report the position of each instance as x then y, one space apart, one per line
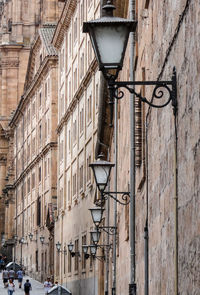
167 37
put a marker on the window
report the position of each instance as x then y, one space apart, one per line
33 180
82 66
69 140
70 91
61 151
62 60
33 109
69 44
76 260
40 134
38 211
33 145
45 91
97 96
69 262
36 260
42 261
75 29
28 152
40 174
28 185
45 169
81 178
40 59
68 192
81 120
82 13
40 99
28 116
89 108
75 79
74 131
88 168
83 255
74 185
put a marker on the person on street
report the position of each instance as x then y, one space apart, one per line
20 277
47 285
11 274
5 277
11 287
27 287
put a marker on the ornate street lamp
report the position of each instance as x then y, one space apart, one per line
97 214
109 37
58 246
95 235
70 248
101 170
42 239
30 236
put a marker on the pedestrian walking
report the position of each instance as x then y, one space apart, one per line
5 277
47 285
27 287
20 277
11 287
11 274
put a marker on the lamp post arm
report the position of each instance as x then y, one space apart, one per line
162 89
125 196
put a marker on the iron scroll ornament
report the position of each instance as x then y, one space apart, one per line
162 89
125 196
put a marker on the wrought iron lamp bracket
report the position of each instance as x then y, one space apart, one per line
166 90
125 196
111 230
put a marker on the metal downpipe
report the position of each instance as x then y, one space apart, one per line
132 284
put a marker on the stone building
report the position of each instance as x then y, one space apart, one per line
78 96
19 22
166 149
35 152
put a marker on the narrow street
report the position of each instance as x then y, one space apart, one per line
37 287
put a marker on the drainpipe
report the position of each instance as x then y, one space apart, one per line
176 291
146 229
115 203
132 284
107 240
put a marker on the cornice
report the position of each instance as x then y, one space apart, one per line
47 63
63 23
45 150
91 70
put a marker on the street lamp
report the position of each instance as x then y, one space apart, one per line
42 239
31 237
97 214
109 37
58 248
70 248
101 170
95 235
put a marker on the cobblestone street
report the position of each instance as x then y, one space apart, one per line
37 287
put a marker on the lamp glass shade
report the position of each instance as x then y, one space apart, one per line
101 170
30 236
93 249
85 249
97 214
109 43
70 247
42 239
22 240
95 236
15 237
58 246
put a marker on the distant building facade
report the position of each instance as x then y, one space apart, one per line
78 97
